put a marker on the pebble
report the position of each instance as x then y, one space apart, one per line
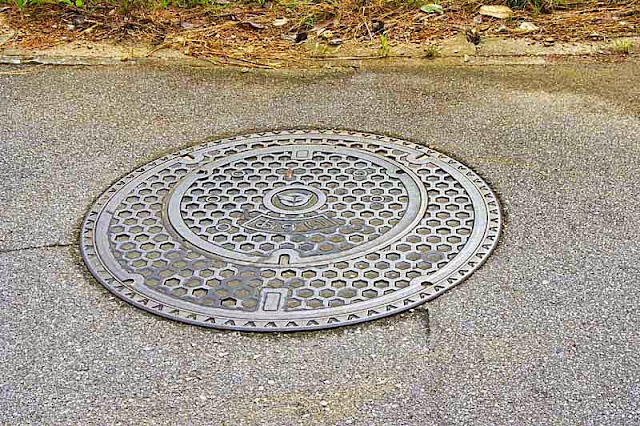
528 26
549 41
324 403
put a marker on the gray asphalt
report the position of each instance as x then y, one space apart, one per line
546 332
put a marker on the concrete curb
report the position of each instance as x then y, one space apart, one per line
454 51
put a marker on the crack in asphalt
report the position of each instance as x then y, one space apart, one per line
44 246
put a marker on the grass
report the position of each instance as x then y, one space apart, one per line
307 22
431 51
385 47
623 47
70 3
22 4
244 30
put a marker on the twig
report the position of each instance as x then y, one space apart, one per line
364 20
88 30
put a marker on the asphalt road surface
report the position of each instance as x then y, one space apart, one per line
546 332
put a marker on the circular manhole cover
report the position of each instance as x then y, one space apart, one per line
291 230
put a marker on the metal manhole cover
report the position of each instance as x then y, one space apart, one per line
291 230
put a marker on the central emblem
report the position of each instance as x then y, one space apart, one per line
295 199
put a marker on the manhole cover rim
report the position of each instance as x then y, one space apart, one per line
349 314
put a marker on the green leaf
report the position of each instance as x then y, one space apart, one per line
432 8
79 3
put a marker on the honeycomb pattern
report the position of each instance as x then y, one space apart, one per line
142 245
363 202
440 236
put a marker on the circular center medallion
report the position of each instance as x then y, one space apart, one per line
294 200
291 230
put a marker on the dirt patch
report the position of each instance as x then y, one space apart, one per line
297 34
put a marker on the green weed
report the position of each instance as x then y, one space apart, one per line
72 3
431 51
538 6
289 4
622 46
307 22
385 48
22 4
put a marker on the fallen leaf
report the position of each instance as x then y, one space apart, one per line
280 22
432 8
497 11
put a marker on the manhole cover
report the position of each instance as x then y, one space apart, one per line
291 230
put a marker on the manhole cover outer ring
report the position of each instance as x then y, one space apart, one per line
409 298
